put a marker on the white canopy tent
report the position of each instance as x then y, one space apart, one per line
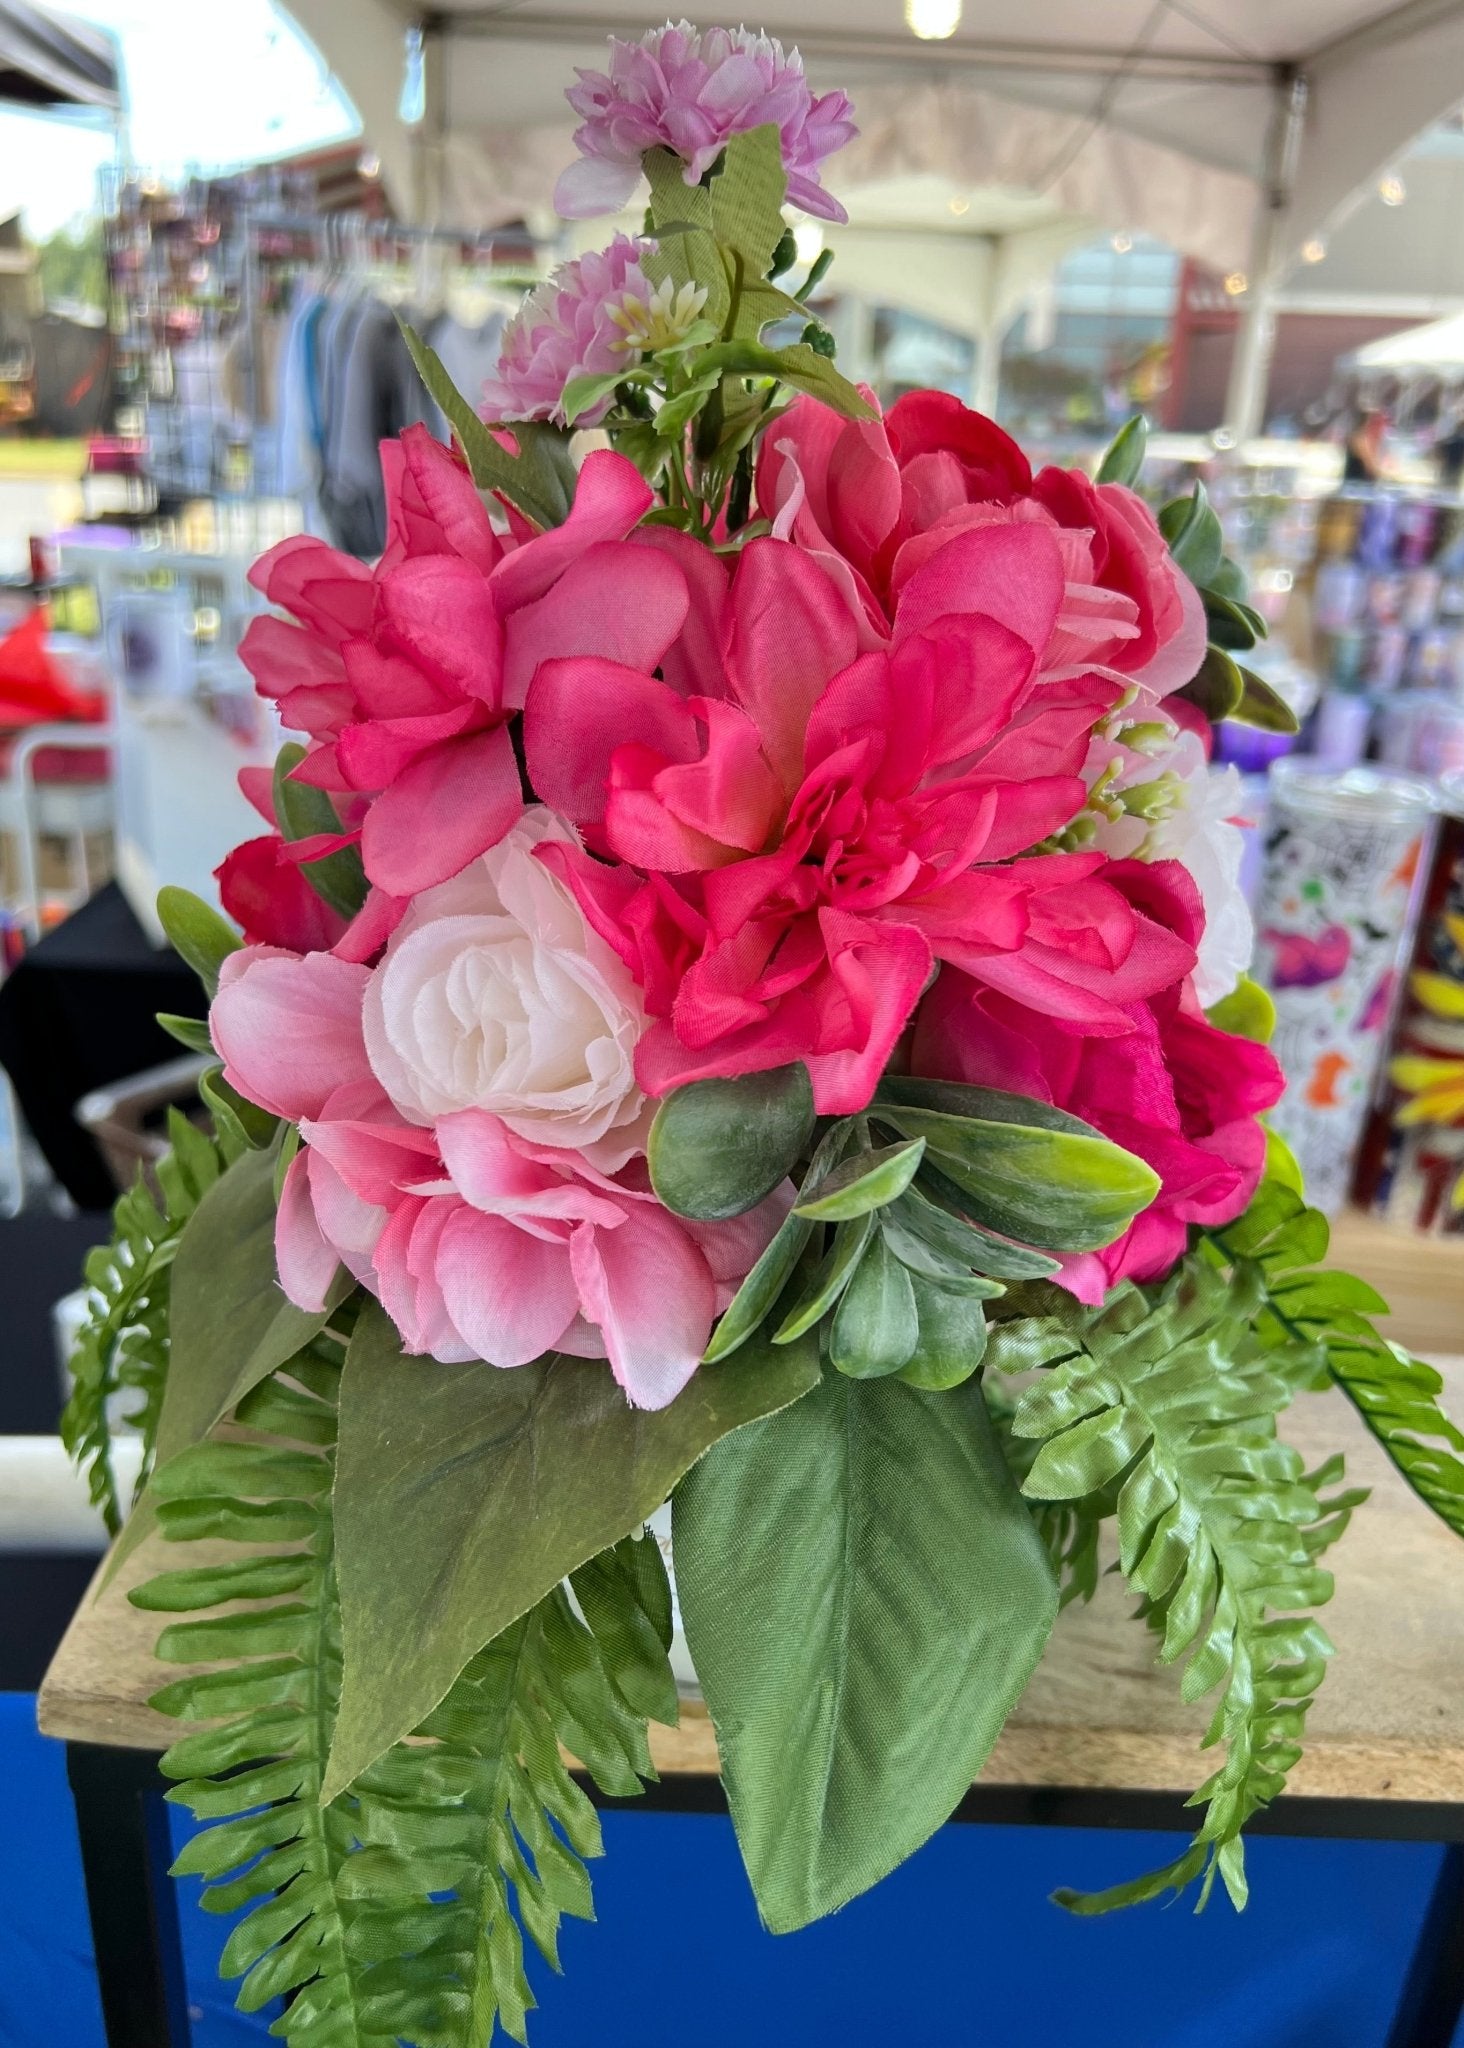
1234 134
1437 348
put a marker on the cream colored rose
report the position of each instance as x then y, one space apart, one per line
494 994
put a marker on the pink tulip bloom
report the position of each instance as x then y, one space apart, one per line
1171 1088
690 92
877 500
806 835
478 1242
404 675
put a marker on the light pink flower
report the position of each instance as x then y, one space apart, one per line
478 1242
568 328
690 92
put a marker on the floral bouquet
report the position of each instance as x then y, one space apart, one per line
740 1002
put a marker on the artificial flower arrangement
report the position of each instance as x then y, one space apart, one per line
740 1002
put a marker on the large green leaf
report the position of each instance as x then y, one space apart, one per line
197 933
464 1494
718 1147
1124 456
865 1597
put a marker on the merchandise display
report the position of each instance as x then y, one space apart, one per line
740 1002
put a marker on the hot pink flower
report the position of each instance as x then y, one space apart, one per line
568 328
479 1242
265 891
404 675
877 500
815 836
690 92
1172 1088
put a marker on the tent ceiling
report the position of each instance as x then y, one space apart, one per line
1158 115
51 60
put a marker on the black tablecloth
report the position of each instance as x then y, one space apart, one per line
79 1012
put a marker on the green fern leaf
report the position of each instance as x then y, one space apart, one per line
121 1347
398 1911
1171 1405
1324 1317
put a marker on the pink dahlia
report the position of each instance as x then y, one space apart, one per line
590 318
403 676
1171 1088
690 92
806 833
877 500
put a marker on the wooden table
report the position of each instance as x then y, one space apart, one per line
1099 1739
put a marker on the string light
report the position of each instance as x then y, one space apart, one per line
1121 243
1236 283
958 204
1314 250
1391 189
808 240
932 20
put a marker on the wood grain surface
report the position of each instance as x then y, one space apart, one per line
1387 1724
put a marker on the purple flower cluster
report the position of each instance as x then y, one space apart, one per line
688 91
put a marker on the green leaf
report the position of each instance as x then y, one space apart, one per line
1124 457
1193 532
1262 706
717 1148
865 1182
338 879
583 394
1217 687
1233 624
952 1339
242 1121
798 365
464 1494
190 1031
958 1243
539 480
760 1292
865 1597
829 1281
876 1329
197 934
1065 1191
1247 1012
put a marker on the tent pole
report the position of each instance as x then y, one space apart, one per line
986 370
432 128
1255 338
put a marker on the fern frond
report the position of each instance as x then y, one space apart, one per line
122 1346
1326 1315
397 1912
1070 1530
1174 1403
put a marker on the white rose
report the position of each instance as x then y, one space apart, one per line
495 994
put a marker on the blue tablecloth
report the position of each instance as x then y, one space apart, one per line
960 1949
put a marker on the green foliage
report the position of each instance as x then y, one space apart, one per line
1124 456
197 934
912 1235
1322 1321
228 1324
1222 688
396 1912
539 479
718 1147
123 1345
865 1597
1173 1404
73 265
301 812
464 1495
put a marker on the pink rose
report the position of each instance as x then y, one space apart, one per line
1170 1087
876 500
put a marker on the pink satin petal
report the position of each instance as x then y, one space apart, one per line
453 803
307 1263
651 1293
509 1296
289 1028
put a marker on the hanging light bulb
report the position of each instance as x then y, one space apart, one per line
1314 250
958 204
1236 283
1391 189
1121 243
932 20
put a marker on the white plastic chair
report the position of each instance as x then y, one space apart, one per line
31 809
